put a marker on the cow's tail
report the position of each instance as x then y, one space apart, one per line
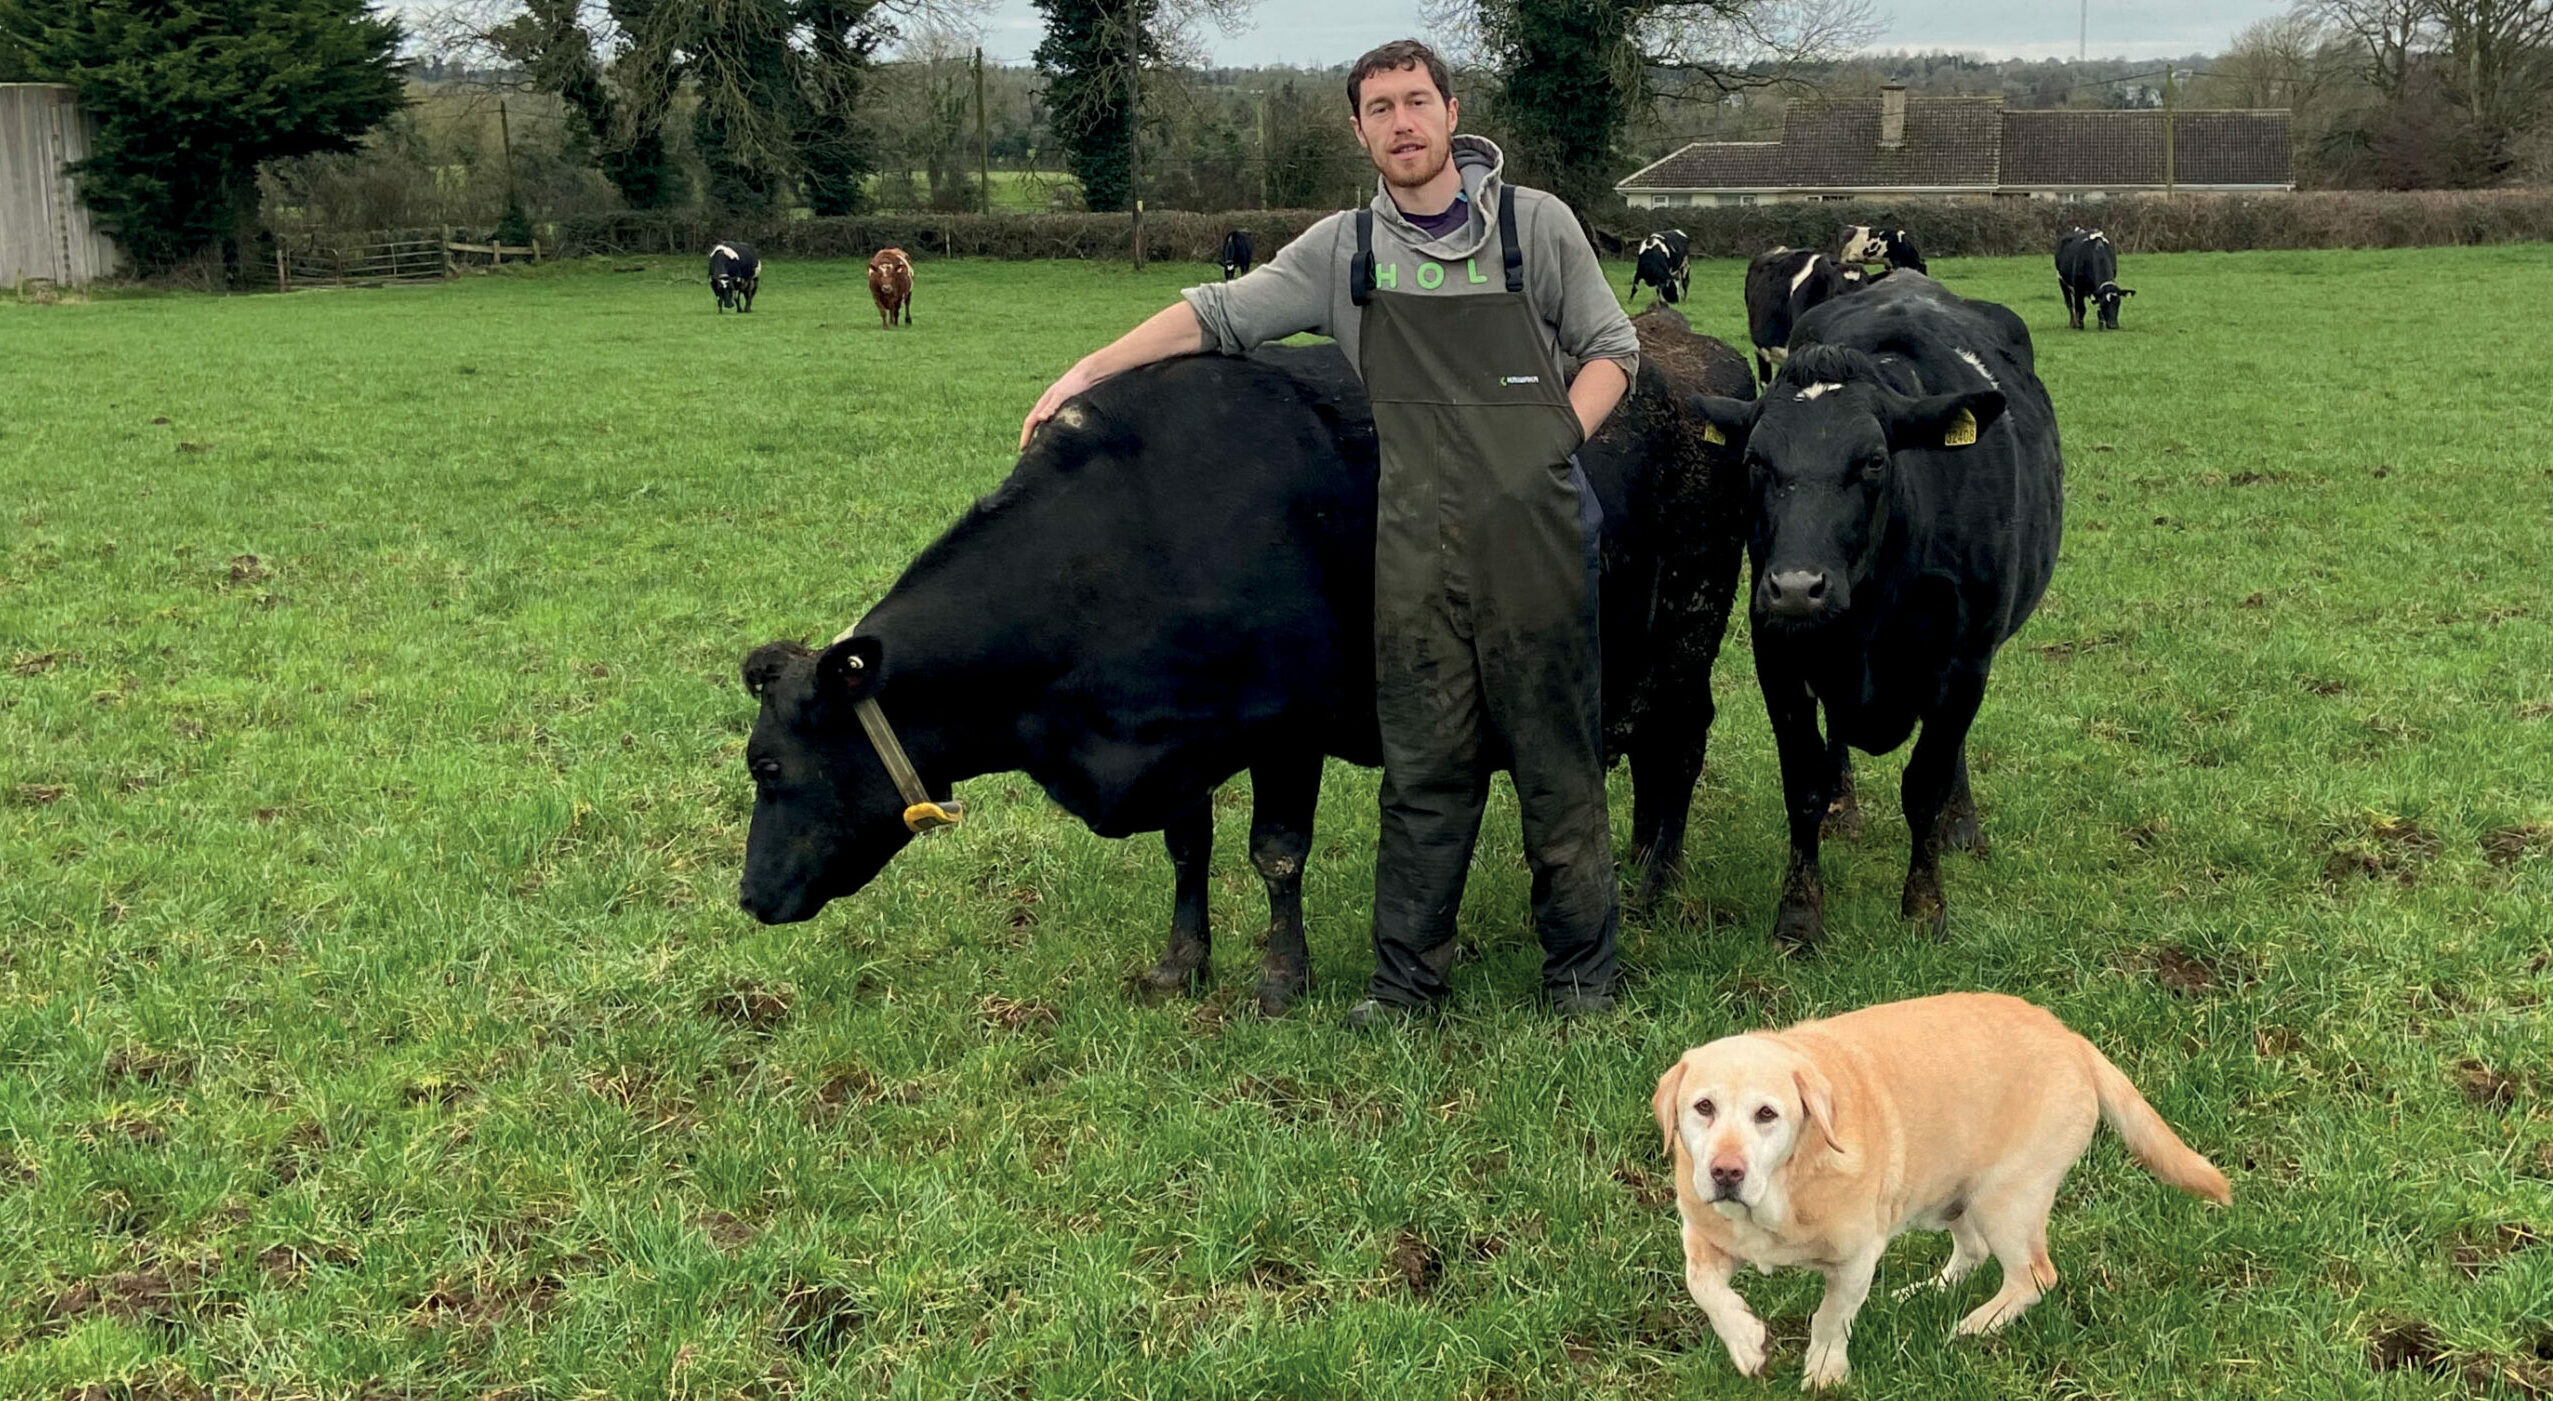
2150 1139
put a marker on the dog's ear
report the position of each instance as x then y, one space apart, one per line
1817 1100
1663 1103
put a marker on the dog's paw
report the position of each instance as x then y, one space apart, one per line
1826 1367
1747 1350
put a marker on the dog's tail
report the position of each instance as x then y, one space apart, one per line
2149 1138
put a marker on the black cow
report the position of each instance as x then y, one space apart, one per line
1908 496
735 272
1238 252
1131 630
2088 272
1662 263
1781 286
1864 243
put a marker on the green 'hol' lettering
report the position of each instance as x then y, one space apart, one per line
1431 276
1471 269
1388 275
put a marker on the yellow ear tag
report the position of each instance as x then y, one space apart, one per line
1961 432
925 817
1711 434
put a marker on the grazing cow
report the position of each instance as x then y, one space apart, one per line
2088 272
1238 254
1131 628
1781 286
1662 264
891 286
735 273
1864 243
1908 495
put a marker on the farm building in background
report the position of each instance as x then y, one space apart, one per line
1933 147
45 231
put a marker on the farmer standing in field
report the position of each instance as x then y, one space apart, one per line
1459 299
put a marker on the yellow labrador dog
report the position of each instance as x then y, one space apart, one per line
1814 1146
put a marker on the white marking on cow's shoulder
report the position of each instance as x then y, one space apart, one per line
1654 243
1072 416
1805 269
723 248
1814 390
1980 367
2100 237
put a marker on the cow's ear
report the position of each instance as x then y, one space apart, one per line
1725 420
1943 420
2127 291
851 669
764 664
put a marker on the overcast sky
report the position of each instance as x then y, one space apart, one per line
1322 32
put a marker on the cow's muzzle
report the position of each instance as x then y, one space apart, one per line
1800 595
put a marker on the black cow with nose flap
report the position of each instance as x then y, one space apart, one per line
1909 492
2088 273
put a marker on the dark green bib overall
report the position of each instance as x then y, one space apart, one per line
1485 641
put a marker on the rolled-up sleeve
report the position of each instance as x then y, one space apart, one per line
1592 325
1288 294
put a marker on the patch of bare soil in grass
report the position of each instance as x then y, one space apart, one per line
2385 848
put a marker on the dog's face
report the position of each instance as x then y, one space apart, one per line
1743 1107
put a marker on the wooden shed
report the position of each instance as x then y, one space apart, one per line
46 233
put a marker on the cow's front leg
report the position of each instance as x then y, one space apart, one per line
1806 772
1666 761
1284 797
1189 959
1931 777
1843 806
1830 1329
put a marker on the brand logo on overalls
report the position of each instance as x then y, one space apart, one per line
1520 379
1430 275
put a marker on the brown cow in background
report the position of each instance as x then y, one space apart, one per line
891 284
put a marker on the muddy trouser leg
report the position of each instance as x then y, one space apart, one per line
1540 675
1427 697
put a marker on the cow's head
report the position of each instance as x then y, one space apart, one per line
826 816
726 288
1821 449
2109 295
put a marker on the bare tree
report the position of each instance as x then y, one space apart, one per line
2386 33
2496 67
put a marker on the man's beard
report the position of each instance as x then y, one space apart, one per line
1383 167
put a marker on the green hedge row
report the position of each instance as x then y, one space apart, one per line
2139 224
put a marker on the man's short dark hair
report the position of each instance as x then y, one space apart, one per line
1391 58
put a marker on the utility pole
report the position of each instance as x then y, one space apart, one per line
2167 128
505 139
1135 123
983 137
2083 33
1263 148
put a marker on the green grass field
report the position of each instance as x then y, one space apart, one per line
375 1019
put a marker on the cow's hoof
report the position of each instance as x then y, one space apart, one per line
1799 926
1183 969
1843 819
1277 995
1923 904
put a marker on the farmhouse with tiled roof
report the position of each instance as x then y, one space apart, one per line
1896 145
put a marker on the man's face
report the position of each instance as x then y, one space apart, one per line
1406 125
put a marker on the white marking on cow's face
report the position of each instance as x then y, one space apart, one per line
1980 367
1777 353
1803 275
1815 390
1862 244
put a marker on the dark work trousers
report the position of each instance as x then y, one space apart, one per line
1485 635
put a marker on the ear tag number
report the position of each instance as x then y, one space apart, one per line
1961 432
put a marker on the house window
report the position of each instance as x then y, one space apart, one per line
1746 199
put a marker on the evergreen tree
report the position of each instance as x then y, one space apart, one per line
1093 56
189 99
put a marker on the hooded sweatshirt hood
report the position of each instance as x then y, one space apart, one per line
1482 166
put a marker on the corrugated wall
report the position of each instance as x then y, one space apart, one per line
45 231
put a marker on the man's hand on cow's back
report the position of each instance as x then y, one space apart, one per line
1168 333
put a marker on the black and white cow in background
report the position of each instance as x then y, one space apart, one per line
1864 243
1131 632
1908 494
735 272
1238 253
1663 265
1781 286
2088 272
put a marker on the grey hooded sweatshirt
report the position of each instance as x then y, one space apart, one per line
1305 286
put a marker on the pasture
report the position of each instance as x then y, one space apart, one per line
375 1018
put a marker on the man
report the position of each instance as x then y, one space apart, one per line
1456 297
